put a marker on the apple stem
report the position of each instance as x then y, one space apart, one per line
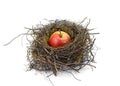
60 34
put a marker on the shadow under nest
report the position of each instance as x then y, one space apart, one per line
73 56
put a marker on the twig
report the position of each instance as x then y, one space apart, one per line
31 28
15 38
83 20
88 23
73 75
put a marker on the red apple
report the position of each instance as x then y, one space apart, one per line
59 38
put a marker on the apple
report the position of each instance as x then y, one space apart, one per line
59 39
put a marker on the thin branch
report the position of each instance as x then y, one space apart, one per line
88 23
73 75
15 38
83 20
94 33
31 28
48 76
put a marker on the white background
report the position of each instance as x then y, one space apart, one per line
17 14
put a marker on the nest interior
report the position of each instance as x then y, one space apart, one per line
75 55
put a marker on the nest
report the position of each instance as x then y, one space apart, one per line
73 56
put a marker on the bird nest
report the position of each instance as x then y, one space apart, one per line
73 56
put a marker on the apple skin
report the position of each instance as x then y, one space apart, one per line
59 39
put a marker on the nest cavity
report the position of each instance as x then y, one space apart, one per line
72 56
